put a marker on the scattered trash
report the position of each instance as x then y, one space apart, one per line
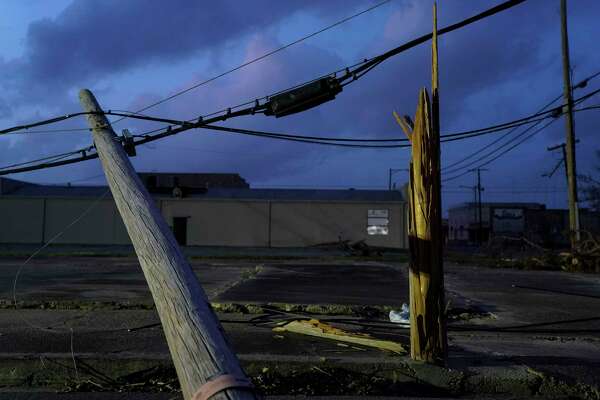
401 317
358 248
317 328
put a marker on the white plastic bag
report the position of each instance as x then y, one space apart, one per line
401 317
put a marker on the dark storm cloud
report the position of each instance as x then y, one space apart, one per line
499 69
5 110
91 40
476 62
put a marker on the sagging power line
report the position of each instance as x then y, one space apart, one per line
267 108
350 73
205 124
581 84
512 140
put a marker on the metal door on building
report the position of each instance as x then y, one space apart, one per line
180 230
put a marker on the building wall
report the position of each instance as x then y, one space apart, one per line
310 223
100 225
221 223
461 220
257 223
21 220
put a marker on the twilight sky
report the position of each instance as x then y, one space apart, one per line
132 53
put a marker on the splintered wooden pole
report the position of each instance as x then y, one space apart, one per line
195 337
426 274
426 279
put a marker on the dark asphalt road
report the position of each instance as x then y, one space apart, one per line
100 279
546 321
356 284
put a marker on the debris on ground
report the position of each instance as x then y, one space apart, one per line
314 327
522 253
401 317
360 248
356 249
585 257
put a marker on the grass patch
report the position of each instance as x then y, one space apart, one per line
74 305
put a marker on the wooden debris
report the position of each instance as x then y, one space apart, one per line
316 328
585 255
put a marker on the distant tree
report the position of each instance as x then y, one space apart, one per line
590 188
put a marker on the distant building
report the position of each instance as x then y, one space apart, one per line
496 219
548 227
9 186
158 182
207 210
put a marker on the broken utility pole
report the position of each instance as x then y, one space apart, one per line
205 364
574 231
426 276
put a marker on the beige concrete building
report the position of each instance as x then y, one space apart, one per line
207 216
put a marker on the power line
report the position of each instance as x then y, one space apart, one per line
578 101
169 131
415 42
484 156
57 160
54 157
490 129
469 133
40 123
366 65
363 66
61 118
270 53
302 139
515 138
332 140
581 84
505 151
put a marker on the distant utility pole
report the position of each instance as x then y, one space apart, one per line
204 362
392 171
474 189
479 189
563 147
574 232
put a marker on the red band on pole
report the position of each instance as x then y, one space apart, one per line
219 384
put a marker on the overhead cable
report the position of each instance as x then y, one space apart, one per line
270 53
581 84
169 131
350 72
504 152
513 139
415 42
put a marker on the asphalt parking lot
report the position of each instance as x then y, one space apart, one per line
506 325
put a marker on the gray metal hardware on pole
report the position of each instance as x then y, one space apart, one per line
195 337
575 234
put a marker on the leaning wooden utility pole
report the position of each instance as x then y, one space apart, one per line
426 275
574 231
205 364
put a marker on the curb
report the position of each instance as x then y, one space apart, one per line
288 375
